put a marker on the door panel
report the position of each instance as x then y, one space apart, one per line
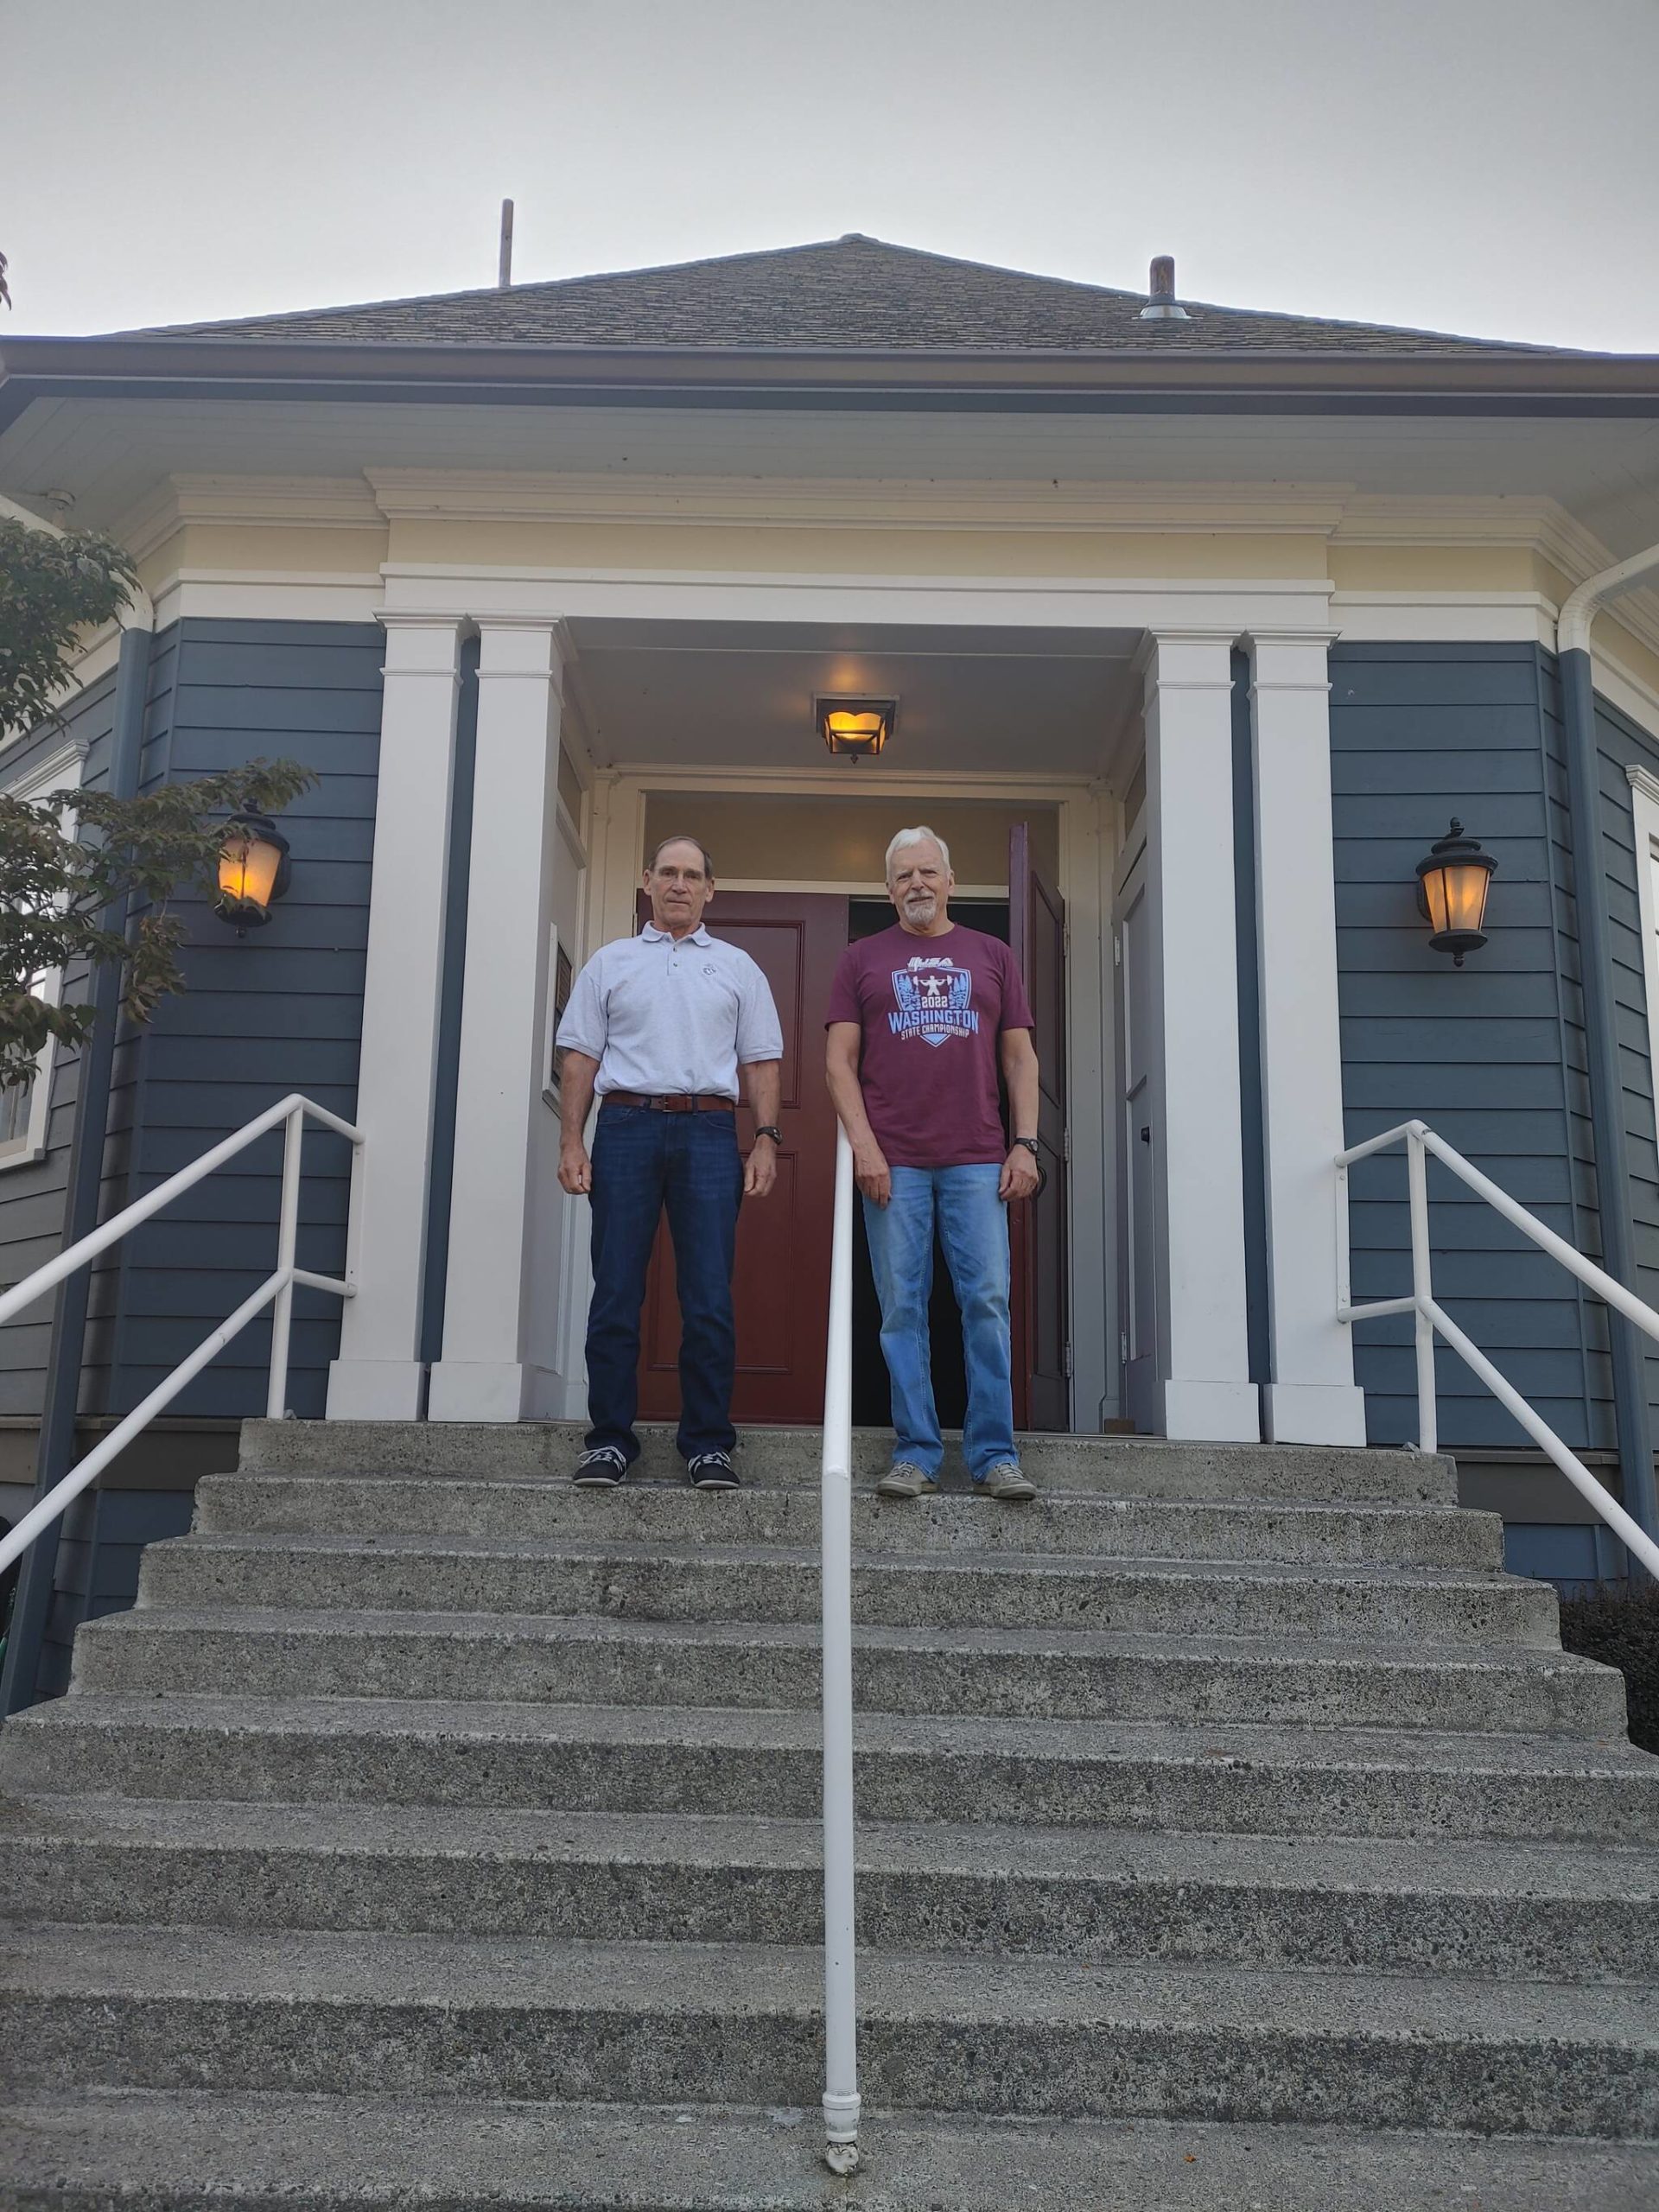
781 1282
1037 1230
1137 1278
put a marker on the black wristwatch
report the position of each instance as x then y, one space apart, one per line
1031 1146
777 1135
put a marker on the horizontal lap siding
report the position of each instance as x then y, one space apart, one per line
1622 745
1490 1055
33 1193
278 1010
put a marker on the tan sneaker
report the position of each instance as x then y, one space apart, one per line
1010 1483
902 1480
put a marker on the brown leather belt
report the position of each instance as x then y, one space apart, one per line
683 1102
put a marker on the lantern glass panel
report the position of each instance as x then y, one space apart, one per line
247 870
1463 895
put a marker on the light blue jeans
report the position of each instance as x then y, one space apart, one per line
973 1225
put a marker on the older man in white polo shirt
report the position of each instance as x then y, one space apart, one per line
657 1027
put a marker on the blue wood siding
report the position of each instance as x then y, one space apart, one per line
1492 1055
278 1010
1622 745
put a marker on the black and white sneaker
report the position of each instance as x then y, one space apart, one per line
711 1471
603 1468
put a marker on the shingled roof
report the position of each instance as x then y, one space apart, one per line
853 293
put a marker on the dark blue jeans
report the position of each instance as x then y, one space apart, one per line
644 1161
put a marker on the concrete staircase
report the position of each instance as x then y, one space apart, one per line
1233 1833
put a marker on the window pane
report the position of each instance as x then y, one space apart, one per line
14 1111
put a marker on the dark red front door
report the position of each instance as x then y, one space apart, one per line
1037 1230
781 1290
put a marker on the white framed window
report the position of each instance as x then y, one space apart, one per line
24 1107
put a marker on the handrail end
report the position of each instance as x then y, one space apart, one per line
841 2117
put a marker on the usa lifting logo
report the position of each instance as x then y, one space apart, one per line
934 1001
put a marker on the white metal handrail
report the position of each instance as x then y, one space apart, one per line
841 2098
276 1292
1420 1141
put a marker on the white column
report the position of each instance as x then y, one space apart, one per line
484 1374
378 1374
1203 1342
1312 1398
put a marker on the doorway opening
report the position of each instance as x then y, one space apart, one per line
796 936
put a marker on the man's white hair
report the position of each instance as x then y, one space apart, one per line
915 837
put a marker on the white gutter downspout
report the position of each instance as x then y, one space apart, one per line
1631 1416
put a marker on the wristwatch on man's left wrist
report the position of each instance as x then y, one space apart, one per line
767 1130
1031 1145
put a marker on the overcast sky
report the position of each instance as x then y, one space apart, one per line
1489 167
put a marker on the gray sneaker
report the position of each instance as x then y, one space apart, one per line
902 1480
1009 1482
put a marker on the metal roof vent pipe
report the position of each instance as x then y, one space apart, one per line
1162 306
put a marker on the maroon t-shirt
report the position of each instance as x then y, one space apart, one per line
931 1009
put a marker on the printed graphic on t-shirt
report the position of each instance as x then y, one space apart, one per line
935 1001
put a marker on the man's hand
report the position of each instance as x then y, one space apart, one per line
576 1169
1020 1178
872 1174
762 1170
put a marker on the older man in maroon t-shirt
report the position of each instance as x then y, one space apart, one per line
921 1020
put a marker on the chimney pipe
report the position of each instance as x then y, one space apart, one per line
1162 306
504 273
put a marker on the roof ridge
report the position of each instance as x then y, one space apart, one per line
746 311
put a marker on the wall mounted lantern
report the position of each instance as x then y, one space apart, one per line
860 728
253 872
1452 887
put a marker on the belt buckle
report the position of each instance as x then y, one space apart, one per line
678 1103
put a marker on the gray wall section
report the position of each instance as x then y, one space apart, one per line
278 1010
1621 745
32 1192
1492 1055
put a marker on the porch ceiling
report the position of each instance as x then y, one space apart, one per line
740 697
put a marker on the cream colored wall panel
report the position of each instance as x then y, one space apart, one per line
1432 568
782 839
886 552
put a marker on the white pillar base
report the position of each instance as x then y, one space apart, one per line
1211 1413
465 1390
375 1390
1315 1413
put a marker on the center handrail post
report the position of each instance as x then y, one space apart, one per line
841 2097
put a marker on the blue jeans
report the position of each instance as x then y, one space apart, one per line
973 1225
645 1160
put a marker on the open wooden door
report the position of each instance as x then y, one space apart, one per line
780 1287
1042 1350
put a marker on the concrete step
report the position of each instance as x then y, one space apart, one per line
738 2024
1123 1466
1032 1673
1214 1778
194 2151
715 1580
529 1509
1548 1912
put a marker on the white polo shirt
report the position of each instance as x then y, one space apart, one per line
664 1016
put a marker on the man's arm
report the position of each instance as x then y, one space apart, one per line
841 1043
1018 1057
576 1074
766 1091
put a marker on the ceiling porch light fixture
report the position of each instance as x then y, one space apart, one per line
253 873
1453 882
857 727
